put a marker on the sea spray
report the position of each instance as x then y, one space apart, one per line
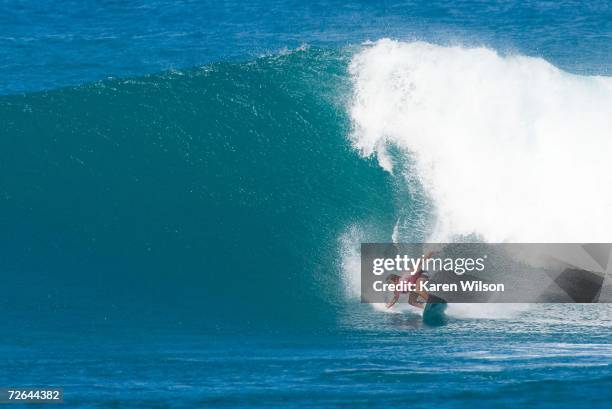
505 148
508 148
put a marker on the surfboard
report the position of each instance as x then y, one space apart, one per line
434 313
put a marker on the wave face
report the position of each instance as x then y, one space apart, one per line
507 148
217 193
238 192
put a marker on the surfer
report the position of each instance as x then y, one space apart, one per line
417 298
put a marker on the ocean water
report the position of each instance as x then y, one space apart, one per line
184 187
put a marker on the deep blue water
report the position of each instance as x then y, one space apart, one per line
46 45
367 361
175 236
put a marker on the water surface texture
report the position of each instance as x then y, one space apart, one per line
184 187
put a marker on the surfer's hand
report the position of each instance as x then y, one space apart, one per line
392 302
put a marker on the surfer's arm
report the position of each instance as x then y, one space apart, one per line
393 301
413 300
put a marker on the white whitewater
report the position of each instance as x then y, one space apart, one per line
509 148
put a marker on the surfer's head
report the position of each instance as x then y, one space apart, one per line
392 279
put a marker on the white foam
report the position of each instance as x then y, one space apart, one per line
507 147
350 242
351 261
497 311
